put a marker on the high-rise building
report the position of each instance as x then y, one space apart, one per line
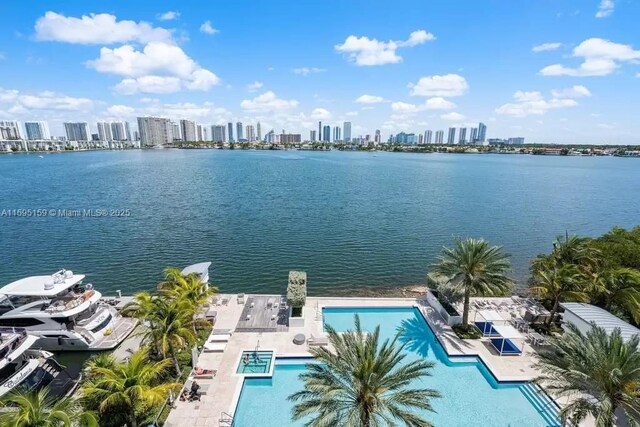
200 133
462 136
258 132
451 138
427 136
104 132
118 132
136 135
230 129
251 134
176 133
270 137
10 130
154 131
218 134
36 131
378 137
312 135
482 132
290 138
326 133
515 140
336 134
347 131
127 131
439 136
420 139
188 130
77 131
473 137
239 131
319 130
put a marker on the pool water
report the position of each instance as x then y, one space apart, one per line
470 394
255 362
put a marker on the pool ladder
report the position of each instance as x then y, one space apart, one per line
318 314
226 419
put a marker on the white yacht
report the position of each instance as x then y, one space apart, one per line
63 313
23 366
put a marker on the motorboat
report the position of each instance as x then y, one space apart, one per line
63 313
21 365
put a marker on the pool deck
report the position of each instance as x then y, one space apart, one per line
223 390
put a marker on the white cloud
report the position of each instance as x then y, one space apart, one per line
446 85
19 102
268 101
534 103
101 28
158 68
436 103
169 16
405 107
439 103
369 99
320 114
416 38
252 87
576 91
600 58
605 8
352 113
121 110
308 70
364 51
546 47
527 96
453 117
207 28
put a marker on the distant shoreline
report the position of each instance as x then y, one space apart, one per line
532 150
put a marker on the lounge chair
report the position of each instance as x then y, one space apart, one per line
240 298
317 341
219 338
214 347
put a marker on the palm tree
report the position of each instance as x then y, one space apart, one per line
558 284
172 328
598 372
189 288
362 383
479 268
140 306
39 409
618 289
128 388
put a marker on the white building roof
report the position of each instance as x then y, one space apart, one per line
45 286
508 332
590 313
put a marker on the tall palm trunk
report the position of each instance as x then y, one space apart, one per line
465 311
553 312
174 357
132 418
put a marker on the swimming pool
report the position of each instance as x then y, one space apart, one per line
470 394
255 362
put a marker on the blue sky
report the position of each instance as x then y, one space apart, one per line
549 70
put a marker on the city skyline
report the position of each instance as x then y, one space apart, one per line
573 81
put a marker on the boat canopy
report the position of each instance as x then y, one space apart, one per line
201 269
45 286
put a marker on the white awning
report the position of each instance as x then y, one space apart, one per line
491 315
508 332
